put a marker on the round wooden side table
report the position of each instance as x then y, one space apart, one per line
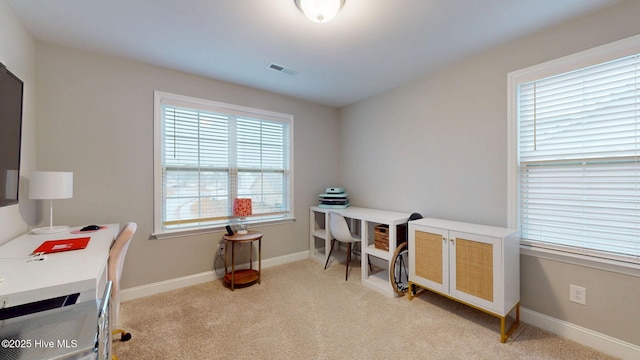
242 276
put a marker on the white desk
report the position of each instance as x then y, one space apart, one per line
79 271
320 240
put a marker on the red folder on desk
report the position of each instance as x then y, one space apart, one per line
52 246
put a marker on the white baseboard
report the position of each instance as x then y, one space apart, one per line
604 343
177 283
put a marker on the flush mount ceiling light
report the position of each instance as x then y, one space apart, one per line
320 11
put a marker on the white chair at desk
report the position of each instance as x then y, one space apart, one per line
340 231
116 263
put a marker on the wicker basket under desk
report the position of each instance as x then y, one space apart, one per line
381 236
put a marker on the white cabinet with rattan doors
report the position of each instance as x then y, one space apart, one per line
474 264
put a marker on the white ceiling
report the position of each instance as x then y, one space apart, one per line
370 47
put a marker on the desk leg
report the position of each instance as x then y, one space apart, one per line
364 243
233 265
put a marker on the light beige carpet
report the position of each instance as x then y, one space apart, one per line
300 311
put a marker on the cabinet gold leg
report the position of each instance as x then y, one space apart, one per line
505 335
410 291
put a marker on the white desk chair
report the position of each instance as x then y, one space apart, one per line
116 262
340 231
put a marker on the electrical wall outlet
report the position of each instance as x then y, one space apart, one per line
578 294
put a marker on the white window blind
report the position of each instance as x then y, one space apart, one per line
579 153
211 153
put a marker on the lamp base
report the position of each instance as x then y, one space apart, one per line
242 232
49 230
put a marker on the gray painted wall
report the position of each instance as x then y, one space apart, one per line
96 119
438 146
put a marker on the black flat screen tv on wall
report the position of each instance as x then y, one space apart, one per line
11 89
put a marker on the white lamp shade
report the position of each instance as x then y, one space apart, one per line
320 11
51 185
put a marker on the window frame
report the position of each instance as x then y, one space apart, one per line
161 97
615 50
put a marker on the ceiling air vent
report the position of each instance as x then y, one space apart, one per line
282 69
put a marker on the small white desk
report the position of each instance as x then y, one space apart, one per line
78 271
320 240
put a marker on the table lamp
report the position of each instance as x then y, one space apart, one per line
50 185
242 209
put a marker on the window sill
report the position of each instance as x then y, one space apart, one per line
213 229
582 260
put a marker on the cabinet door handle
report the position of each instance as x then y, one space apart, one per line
452 242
